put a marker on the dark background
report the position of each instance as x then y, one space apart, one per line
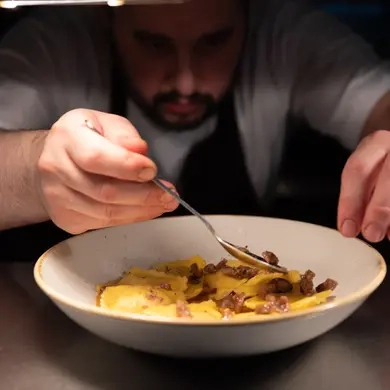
310 176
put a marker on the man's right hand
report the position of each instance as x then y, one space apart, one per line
89 181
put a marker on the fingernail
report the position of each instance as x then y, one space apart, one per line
166 198
348 228
146 174
373 233
171 205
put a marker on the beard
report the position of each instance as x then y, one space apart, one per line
206 106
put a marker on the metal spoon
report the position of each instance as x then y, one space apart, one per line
236 251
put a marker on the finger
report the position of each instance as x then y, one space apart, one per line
144 217
76 223
377 216
121 132
70 200
95 154
115 128
356 187
81 223
113 191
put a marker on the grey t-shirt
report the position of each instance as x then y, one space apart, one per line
298 62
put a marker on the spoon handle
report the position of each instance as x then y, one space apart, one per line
184 204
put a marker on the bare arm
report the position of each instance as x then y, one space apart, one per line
83 178
39 82
19 195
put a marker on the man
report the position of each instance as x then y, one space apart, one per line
207 88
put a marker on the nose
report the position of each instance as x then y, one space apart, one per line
184 80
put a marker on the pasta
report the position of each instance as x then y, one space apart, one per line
191 288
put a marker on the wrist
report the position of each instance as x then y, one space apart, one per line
37 145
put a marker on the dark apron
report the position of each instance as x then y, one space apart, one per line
214 177
214 180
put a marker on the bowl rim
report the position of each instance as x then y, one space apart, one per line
361 294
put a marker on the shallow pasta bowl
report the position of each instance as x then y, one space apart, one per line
69 272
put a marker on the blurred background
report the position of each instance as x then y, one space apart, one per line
309 192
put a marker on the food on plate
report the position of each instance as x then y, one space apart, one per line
193 289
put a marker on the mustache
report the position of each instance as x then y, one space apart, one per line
175 96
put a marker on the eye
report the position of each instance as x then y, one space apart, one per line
215 40
153 42
157 44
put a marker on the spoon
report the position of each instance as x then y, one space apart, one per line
236 251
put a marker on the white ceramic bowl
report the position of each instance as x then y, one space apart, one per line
69 272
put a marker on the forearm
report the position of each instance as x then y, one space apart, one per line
19 197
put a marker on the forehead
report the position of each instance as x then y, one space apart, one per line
181 21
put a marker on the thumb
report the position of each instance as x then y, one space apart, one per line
121 132
114 128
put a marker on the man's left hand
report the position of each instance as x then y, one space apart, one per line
364 204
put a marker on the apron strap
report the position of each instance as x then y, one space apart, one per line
214 179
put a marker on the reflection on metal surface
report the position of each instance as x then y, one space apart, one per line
10 4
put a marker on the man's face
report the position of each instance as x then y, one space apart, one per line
180 58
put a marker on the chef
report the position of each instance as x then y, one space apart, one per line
200 94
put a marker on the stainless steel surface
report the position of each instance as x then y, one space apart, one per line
40 349
113 3
236 251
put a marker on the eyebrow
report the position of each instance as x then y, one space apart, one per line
148 35
222 32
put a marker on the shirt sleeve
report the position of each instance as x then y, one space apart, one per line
48 66
334 76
